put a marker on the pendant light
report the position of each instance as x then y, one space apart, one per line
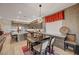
40 18
40 10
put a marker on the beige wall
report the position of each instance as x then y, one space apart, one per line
5 24
72 20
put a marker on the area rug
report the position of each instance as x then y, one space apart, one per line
26 50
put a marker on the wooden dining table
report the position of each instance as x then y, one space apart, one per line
34 41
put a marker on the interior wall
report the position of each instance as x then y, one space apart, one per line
53 27
5 24
72 20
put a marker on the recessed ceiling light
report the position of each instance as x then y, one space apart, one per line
20 12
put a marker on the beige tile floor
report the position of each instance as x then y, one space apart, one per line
15 48
59 51
12 48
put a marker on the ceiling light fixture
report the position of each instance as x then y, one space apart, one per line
40 18
40 10
20 12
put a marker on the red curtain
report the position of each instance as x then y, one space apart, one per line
55 17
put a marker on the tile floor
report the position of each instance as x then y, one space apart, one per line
15 48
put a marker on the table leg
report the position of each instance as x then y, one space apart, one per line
27 43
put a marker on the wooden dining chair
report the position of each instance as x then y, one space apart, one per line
41 48
50 46
70 41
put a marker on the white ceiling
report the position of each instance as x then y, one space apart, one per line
29 11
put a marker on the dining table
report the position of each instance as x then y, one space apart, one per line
31 41
34 41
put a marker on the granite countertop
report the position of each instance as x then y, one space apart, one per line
21 32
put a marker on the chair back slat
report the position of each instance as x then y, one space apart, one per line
44 46
52 41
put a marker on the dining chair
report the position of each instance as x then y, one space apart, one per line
1 32
41 48
70 41
51 45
